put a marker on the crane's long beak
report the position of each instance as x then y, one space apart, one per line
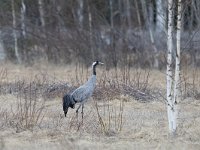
101 63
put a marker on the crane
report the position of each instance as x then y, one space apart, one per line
81 94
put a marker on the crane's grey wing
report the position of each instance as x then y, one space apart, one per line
82 93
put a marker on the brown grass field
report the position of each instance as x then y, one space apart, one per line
127 110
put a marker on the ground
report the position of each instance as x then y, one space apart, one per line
123 121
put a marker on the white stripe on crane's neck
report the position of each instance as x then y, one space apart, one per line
94 63
94 67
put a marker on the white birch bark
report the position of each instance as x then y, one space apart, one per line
177 83
178 49
23 12
15 33
170 106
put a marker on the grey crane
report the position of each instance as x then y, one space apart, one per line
81 94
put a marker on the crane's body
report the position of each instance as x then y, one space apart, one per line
85 91
81 94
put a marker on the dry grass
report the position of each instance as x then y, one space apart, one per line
126 111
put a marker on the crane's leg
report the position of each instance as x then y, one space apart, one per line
77 111
81 104
78 108
82 112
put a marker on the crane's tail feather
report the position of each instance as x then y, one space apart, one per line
66 103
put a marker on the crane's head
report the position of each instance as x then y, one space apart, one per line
94 66
97 63
67 102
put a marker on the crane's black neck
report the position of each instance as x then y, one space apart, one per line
94 69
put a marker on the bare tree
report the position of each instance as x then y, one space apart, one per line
173 96
47 53
112 35
80 12
130 21
128 13
15 33
160 16
170 108
90 29
2 50
41 11
178 49
177 67
138 12
23 32
149 25
23 12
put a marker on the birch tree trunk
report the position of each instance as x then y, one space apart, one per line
15 33
178 49
41 11
23 12
23 32
177 67
170 107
